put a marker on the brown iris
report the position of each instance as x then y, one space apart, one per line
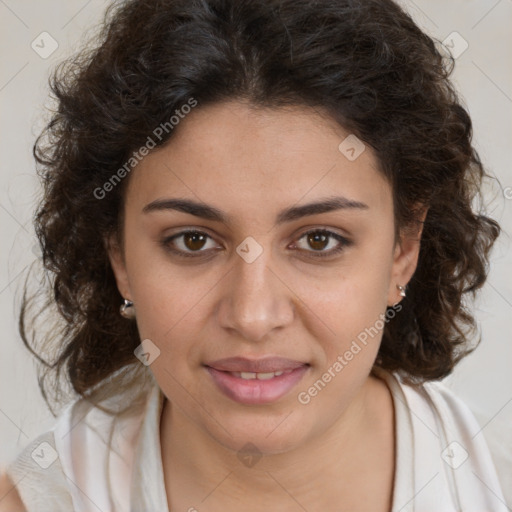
194 241
317 238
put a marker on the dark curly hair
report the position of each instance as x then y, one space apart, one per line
364 62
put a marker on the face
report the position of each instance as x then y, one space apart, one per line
255 284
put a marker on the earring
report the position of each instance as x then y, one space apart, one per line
127 309
402 290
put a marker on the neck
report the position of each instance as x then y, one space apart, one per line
197 467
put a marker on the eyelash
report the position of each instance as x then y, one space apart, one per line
344 242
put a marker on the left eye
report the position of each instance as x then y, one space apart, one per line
319 239
192 242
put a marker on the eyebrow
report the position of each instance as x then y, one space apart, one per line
209 212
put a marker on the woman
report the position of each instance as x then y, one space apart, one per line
258 221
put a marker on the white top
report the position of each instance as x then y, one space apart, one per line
442 461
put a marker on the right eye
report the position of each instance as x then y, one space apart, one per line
187 244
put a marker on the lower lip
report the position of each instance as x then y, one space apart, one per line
255 391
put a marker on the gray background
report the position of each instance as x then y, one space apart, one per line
482 74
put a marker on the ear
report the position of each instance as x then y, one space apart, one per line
405 259
117 261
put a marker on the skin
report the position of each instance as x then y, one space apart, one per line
251 164
10 500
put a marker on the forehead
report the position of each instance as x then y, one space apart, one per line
246 160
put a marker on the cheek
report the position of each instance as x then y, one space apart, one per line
348 299
354 310
160 293
172 306
169 309
349 344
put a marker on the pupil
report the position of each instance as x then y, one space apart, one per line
194 238
317 238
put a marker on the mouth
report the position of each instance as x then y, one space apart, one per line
263 365
256 381
259 376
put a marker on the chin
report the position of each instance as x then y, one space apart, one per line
265 435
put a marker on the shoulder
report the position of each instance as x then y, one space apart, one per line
86 449
10 500
449 447
435 406
488 434
437 412
37 473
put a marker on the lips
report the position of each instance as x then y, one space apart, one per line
256 381
258 366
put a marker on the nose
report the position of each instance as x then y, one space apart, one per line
256 300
